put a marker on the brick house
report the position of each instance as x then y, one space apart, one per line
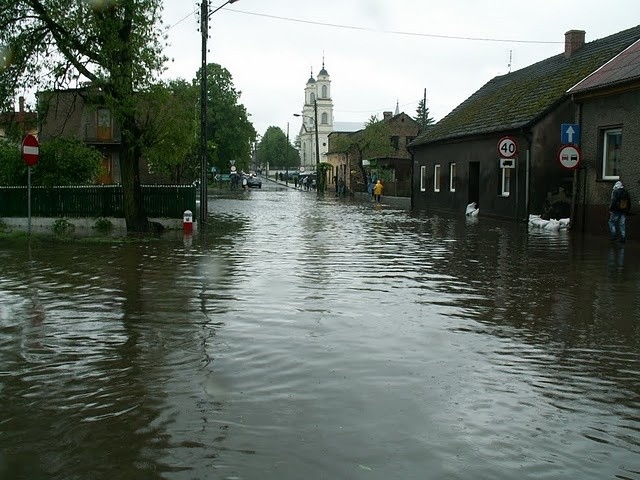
456 161
78 114
394 168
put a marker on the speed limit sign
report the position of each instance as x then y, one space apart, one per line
507 147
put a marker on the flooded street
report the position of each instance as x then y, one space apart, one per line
322 338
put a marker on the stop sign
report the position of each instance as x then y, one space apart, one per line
30 150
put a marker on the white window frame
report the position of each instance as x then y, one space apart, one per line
506 182
605 148
452 177
436 177
324 118
423 178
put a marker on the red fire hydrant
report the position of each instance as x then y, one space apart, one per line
187 221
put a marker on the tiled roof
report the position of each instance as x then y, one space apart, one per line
621 69
520 98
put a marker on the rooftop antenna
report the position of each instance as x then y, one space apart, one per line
510 58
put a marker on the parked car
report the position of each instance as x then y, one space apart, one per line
254 182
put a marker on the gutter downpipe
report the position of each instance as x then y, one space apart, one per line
527 172
574 194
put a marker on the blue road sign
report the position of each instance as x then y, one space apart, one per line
570 133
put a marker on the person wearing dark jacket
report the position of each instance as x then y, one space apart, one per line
618 211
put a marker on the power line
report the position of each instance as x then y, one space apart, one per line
391 32
394 32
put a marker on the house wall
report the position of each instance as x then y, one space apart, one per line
66 114
551 185
594 194
538 183
488 184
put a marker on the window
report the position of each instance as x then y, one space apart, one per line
452 177
312 98
436 178
324 118
395 142
324 91
611 154
423 178
506 181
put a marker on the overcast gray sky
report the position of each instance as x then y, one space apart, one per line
377 52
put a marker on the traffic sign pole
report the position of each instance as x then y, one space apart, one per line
29 201
30 155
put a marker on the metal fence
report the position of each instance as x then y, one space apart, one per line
160 201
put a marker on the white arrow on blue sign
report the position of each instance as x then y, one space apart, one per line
570 133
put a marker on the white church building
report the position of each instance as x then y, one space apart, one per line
317 105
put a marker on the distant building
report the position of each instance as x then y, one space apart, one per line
394 169
18 124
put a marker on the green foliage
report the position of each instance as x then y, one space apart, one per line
229 131
422 115
274 150
12 168
3 226
66 162
62 162
168 116
103 225
63 227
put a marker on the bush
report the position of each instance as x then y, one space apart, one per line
63 227
103 225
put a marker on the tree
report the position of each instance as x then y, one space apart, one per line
62 162
229 133
168 117
274 150
422 115
371 142
115 45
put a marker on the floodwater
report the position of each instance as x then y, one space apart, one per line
322 339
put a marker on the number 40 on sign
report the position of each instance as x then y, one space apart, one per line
507 147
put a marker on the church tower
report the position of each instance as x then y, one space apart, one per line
317 101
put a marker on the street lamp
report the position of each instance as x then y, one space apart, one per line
204 29
315 124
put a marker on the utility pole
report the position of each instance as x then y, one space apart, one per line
319 184
204 30
286 178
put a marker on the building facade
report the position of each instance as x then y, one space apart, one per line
459 160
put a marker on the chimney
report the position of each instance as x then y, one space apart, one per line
386 115
573 41
21 103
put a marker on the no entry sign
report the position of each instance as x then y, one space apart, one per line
30 150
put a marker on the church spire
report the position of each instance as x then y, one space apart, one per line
397 107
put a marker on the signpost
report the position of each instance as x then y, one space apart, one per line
507 147
569 156
570 133
30 155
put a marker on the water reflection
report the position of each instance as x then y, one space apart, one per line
322 338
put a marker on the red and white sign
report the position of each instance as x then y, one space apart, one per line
569 156
507 147
30 150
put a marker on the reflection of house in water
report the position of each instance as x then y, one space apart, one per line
80 114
